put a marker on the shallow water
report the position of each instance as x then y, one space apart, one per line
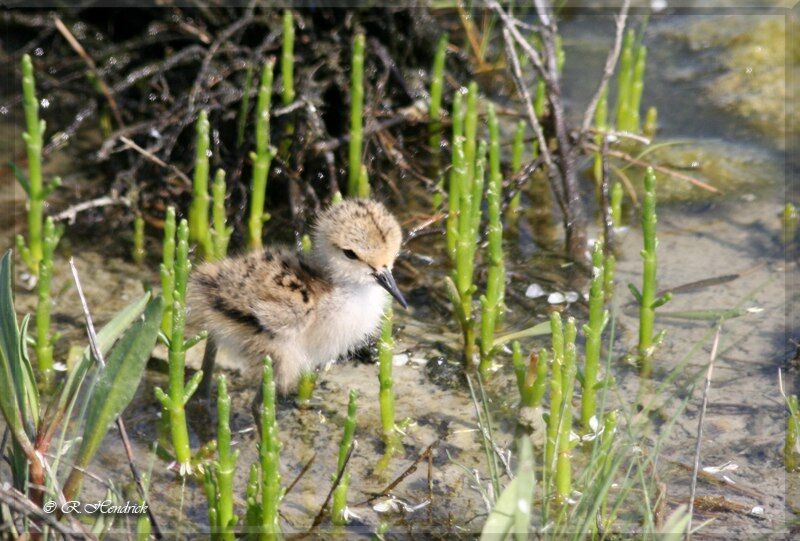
737 233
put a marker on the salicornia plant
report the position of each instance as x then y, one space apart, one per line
389 432
220 473
269 452
167 269
466 193
492 300
791 446
221 232
287 76
138 253
45 342
305 388
33 184
556 390
198 211
338 511
531 376
179 392
630 84
598 318
435 115
563 478
356 115
262 158
516 165
647 297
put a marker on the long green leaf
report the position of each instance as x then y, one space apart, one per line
117 385
501 519
19 399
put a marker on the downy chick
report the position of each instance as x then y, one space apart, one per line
301 310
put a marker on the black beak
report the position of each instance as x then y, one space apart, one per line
386 280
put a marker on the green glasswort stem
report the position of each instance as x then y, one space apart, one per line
356 115
363 183
563 465
471 132
253 506
557 337
637 87
198 211
647 298
790 219
262 158
492 301
386 393
244 106
305 389
225 468
594 333
44 342
287 79
516 165
167 270
609 269
616 204
437 86
650 123
531 376
340 494
221 233
269 455
287 58
34 185
179 392
435 115
624 81
456 171
138 252
790 449
601 125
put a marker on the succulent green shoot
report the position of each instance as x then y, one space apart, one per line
540 99
167 269
598 318
637 87
625 80
221 232
435 114
262 158
287 58
338 512
198 211
616 204
179 391
790 219
33 184
269 456
138 253
531 376
363 183
647 297
492 300
565 444
45 342
516 166
356 115
556 390
601 125
389 432
457 170
471 132
305 389
220 473
791 447
650 123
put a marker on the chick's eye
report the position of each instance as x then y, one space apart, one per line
350 254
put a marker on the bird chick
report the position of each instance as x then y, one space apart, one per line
303 310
